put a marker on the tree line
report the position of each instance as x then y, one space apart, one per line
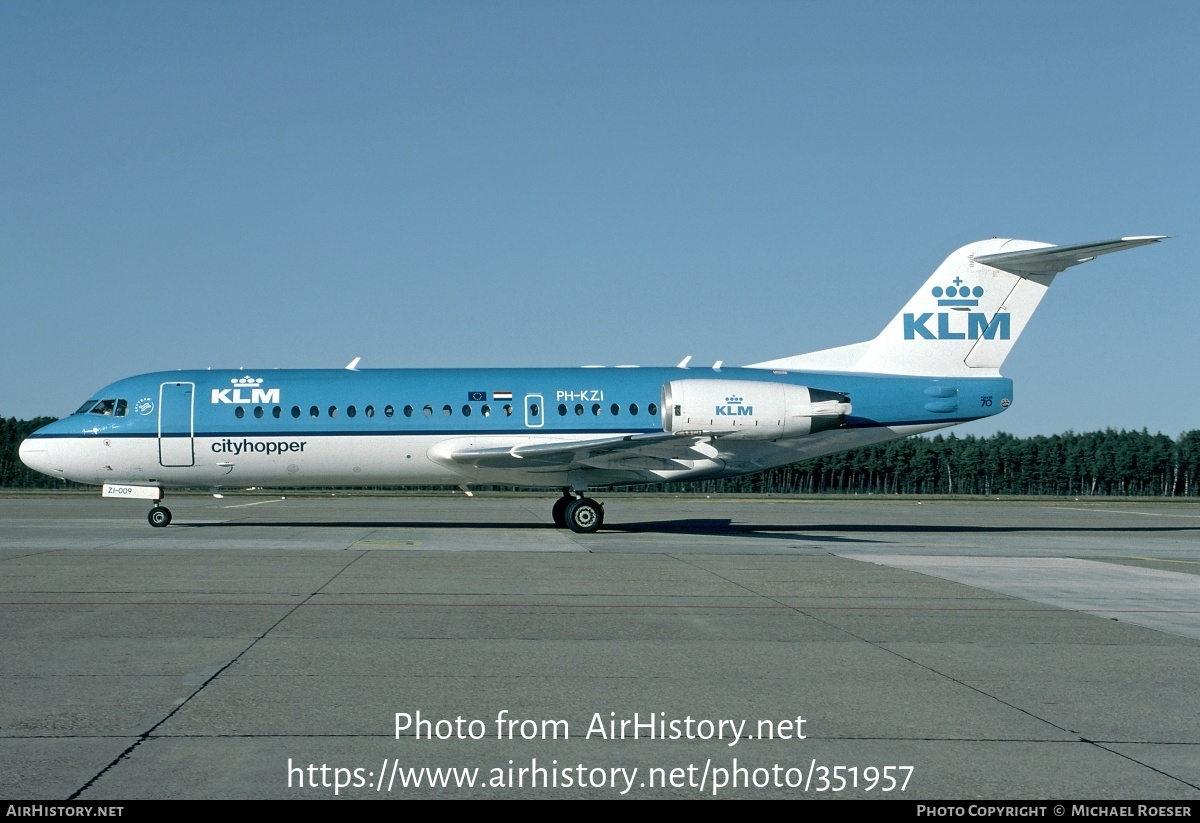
1121 463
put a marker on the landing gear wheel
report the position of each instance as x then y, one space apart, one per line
584 515
559 512
159 517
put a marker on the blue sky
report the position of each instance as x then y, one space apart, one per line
296 184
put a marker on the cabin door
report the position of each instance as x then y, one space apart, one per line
176 424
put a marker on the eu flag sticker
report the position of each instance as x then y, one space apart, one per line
476 396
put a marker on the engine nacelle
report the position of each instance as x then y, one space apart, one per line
750 409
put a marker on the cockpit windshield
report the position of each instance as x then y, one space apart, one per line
112 407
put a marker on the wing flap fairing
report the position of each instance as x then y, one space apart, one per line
584 453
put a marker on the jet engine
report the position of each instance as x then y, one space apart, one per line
750 409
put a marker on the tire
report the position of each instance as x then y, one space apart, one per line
159 517
559 512
584 515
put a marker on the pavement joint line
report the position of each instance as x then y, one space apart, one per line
144 736
1144 765
882 646
1121 511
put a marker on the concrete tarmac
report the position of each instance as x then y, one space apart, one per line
353 646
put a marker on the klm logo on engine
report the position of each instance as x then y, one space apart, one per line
246 390
733 408
961 324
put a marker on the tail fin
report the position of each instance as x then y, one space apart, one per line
967 316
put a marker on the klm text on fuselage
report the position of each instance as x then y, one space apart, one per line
238 395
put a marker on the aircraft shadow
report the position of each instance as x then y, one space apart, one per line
712 527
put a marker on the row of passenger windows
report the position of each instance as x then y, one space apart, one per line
447 411
369 411
118 408
614 409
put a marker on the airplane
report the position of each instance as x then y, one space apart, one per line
936 364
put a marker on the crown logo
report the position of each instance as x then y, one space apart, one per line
733 398
958 294
246 382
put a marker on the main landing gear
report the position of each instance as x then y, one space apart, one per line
579 514
159 516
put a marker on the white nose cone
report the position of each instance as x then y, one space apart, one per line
36 455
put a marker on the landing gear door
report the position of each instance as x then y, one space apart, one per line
534 413
176 424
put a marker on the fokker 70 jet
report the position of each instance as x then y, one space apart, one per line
937 363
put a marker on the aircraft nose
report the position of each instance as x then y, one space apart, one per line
35 453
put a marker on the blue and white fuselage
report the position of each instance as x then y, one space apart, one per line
397 427
936 364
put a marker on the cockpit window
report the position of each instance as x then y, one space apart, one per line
122 407
104 407
85 407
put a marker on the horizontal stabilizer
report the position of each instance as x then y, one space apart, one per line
1055 259
966 317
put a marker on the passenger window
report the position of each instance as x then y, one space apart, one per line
615 409
508 410
276 412
652 409
427 411
314 412
122 407
258 412
388 411
333 411
562 409
486 411
596 409
447 411
466 410
295 411
351 411
578 408
633 408
369 411
239 412
408 410
534 410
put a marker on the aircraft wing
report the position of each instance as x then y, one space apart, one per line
584 454
1053 259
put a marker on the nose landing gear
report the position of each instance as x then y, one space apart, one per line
159 516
